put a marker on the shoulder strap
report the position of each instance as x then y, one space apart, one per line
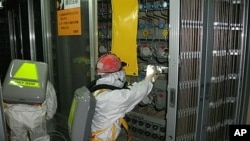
103 86
93 87
92 83
125 125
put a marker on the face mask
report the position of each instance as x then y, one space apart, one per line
117 79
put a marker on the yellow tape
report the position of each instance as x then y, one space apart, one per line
124 33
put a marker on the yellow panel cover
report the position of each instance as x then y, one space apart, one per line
124 33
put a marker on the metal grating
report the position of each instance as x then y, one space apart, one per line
189 72
226 60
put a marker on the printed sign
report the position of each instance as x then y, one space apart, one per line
69 17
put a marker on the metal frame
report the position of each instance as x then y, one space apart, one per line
243 109
174 23
243 95
206 62
205 69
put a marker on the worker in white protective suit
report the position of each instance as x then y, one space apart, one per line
28 122
112 105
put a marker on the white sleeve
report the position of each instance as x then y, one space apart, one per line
136 93
51 101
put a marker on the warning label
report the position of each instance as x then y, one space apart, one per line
69 22
25 83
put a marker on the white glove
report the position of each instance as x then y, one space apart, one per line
147 100
151 73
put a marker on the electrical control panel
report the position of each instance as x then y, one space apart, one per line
146 121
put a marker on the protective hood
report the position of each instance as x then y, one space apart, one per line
117 79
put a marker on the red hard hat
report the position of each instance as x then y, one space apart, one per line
108 63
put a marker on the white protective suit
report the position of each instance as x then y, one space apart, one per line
114 104
28 122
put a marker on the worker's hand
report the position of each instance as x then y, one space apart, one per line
151 73
146 100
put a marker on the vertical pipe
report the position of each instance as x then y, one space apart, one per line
32 38
174 23
21 33
12 32
93 35
46 37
